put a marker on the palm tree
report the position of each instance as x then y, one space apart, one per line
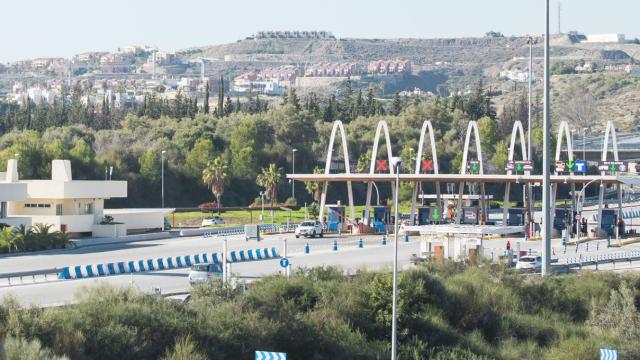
313 187
215 175
269 179
10 238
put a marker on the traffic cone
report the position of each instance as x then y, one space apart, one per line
335 245
306 248
360 243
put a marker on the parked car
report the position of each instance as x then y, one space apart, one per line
212 220
529 262
310 228
204 273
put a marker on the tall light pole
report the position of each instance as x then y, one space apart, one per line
584 148
529 136
546 178
293 171
162 181
396 162
162 174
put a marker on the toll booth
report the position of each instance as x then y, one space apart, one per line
335 217
471 215
382 214
560 219
424 215
609 221
516 217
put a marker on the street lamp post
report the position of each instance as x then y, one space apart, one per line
546 178
293 171
584 148
529 135
262 194
162 180
396 162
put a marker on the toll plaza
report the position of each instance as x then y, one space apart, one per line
471 205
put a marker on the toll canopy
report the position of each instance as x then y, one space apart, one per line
462 229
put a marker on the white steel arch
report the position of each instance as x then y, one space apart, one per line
382 127
473 126
517 130
609 131
323 198
426 126
563 132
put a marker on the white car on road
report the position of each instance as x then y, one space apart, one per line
212 220
204 273
529 262
310 228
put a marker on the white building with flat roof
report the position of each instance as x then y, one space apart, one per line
72 206
11 190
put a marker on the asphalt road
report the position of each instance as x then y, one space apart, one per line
349 256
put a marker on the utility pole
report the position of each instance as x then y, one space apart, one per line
396 162
529 136
293 170
546 178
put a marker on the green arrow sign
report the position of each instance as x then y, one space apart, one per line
613 167
518 167
571 164
436 214
475 167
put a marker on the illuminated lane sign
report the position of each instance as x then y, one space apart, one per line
473 166
518 165
612 166
427 165
580 166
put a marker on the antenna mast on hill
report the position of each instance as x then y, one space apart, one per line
559 13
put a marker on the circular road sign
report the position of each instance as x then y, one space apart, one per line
284 262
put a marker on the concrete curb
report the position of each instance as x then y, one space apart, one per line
120 240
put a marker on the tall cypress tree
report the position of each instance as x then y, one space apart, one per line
221 98
206 98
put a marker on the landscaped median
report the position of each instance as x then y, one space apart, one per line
168 263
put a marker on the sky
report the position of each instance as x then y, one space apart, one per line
62 28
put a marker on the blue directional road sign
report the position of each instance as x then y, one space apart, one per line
267 355
284 262
608 354
580 166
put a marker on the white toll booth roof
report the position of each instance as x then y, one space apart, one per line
463 229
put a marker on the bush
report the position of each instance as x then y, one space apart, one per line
21 349
445 311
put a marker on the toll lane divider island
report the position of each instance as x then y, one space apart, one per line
168 263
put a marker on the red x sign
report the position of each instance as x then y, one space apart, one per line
381 165
427 165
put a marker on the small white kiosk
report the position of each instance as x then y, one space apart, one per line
456 241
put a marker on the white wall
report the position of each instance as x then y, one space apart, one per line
140 219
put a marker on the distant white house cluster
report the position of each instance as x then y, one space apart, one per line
70 206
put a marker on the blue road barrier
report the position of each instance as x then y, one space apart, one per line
307 249
335 245
178 262
360 243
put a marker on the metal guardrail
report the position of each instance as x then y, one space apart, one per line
595 260
20 277
239 230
